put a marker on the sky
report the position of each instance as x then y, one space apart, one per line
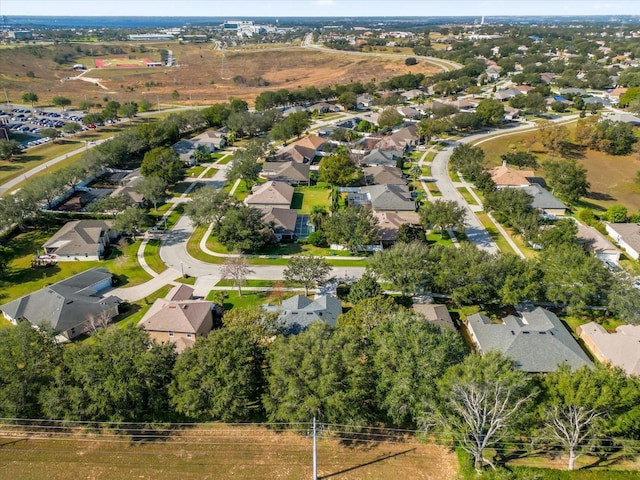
316 8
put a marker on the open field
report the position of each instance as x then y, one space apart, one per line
221 451
122 62
611 177
198 79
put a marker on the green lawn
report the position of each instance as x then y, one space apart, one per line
226 160
247 283
501 242
433 188
426 170
305 198
454 176
195 171
436 237
430 156
180 188
467 196
210 172
21 279
152 256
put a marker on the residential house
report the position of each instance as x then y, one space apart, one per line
504 95
619 348
390 222
493 73
383 174
302 151
283 221
211 140
292 110
185 149
364 101
593 101
298 312
408 112
379 156
293 173
80 240
413 94
70 307
536 340
619 116
544 202
597 244
435 314
614 95
384 198
178 319
323 107
504 176
270 194
627 236
402 139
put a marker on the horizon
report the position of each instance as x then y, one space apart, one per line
317 8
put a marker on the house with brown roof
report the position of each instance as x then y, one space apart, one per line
597 244
619 348
283 222
380 156
435 314
390 222
383 174
302 151
384 198
403 139
504 176
80 240
211 139
178 319
293 173
270 194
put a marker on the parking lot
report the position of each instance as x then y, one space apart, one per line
31 122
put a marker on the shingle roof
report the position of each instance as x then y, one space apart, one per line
78 237
390 222
538 342
187 316
389 197
271 193
290 170
542 199
384 174
379 156
504 176
298 312
283 218
620 349
66 304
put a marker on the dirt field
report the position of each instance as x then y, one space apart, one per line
611 177
200 77
250 453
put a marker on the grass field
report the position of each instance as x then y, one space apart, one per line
152 256
501 242
305 198
222 452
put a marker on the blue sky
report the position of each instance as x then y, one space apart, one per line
299 8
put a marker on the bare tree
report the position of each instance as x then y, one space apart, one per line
236 268
96 321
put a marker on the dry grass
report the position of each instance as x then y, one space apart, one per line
220 451
198 78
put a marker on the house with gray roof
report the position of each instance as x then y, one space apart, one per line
380 156
211 140
544 202
597 244
293 173
384 198
382 174
283 221
270 194
536 340
402 139
71 307
80 240
627 235
298 312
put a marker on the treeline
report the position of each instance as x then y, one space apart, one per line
381 363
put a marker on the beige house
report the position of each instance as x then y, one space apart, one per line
270 194
80 240
302 151
178 319
627 235
619 349
390 222
504 176
435 315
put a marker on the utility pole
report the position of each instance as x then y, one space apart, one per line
315 451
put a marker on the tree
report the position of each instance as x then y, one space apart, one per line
60 101
409 356
616 214
243 229
207 206
442 214
567 179
132 220
520 159
113 205
623 299
337 169
409 61
6 255
553 137
110 111
354 227
479 400
245 164
163 163
348 100
119 377
71 127
404 265
28 359
153 189
577 403
53 133
389 118
30 97
86 105
220 377
468 160
429 128
129 109
365 287
318 216
9 148
308 270
237 269
490 111
408 233
318 374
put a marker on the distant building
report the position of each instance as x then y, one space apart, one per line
151 37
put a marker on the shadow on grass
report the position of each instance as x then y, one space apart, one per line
298 198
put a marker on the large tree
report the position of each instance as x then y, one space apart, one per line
163 163
479 400
337 169
468 160
8 149
245 164
442 215
207 205
236 268
220 377
405 265
354 227
60 101
568 180
389 118
490 111
132 221
553 137
308 270
243 229
30 97
153 189
118 377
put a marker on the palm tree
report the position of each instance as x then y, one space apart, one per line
318 215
